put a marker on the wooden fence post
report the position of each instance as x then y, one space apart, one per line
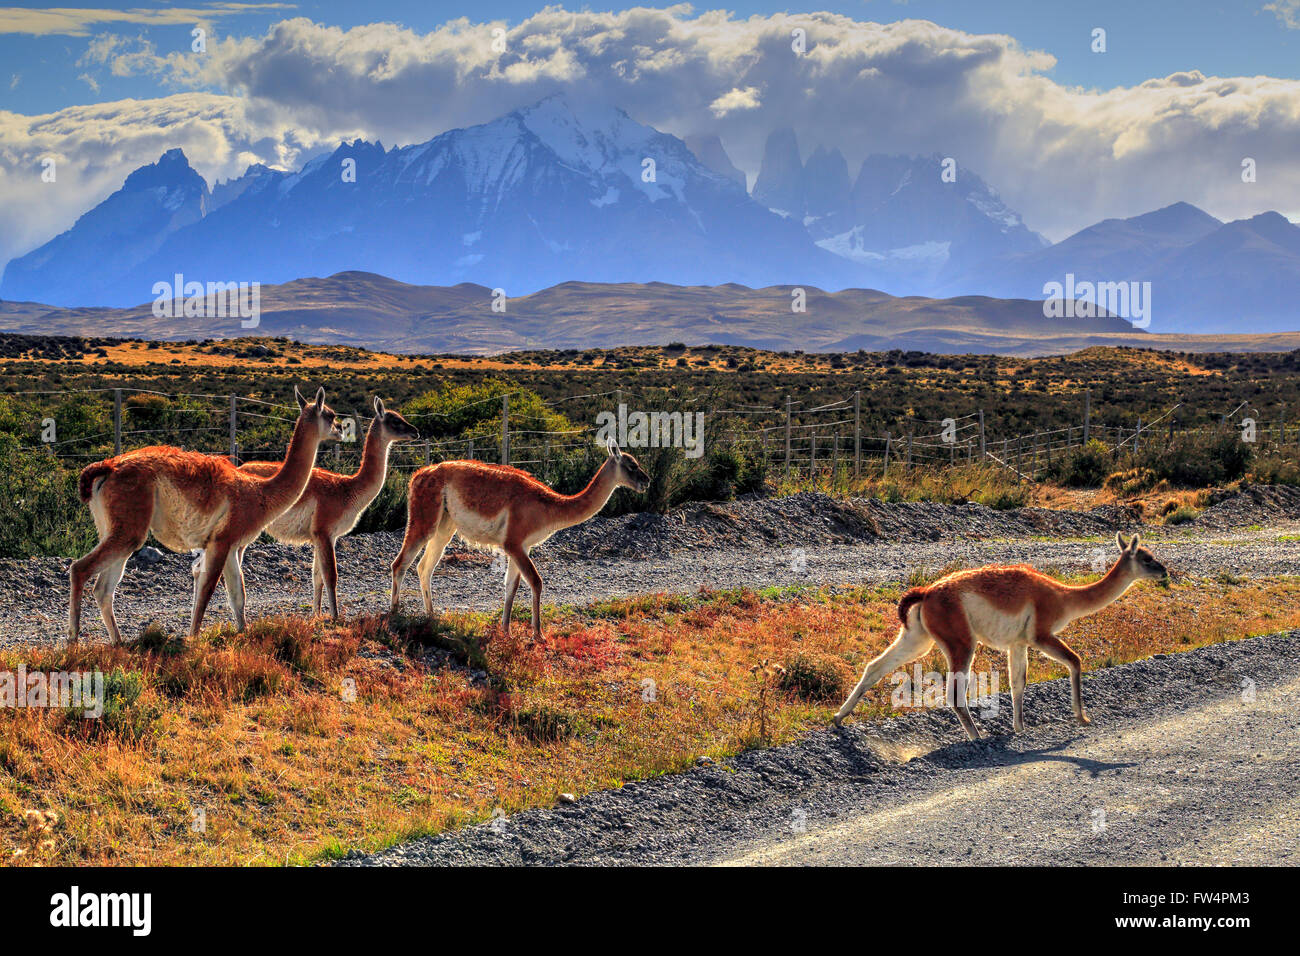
857 433
505 429
981 434
1087 414
117 421
788 403
234 419
888 441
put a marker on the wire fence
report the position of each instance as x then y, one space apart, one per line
792 440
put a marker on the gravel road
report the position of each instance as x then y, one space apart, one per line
1190 759
802 539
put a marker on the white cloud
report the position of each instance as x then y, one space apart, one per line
94 148
79 21
1286 11
732 100
1064 157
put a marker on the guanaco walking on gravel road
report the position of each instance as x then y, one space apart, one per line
1010 608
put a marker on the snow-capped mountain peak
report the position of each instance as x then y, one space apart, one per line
604 142
559 190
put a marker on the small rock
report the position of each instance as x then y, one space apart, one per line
704 761
568 798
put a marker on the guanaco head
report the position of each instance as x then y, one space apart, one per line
318 414
1138 561
628 472
393 426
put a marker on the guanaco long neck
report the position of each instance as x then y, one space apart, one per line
575 509
1089 598
286 486
374 461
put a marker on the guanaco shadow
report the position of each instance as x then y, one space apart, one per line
865 754
1002 754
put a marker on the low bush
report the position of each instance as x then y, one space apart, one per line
1083 467
819 678
125 715
388 511
1198 461
1132 481
543 724
45 515
1181 515
1272 470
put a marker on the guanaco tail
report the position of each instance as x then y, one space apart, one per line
189 500
503 508
1011 608
332 504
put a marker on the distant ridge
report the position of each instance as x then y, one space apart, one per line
373 311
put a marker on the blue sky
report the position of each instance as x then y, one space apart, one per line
1145 38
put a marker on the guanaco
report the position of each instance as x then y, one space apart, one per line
502 508
332 504
1011 608
189 500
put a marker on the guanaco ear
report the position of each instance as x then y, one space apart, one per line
379 407
1134 542
302 402
1119 540
320 398
612 447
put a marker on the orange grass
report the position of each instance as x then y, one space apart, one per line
300 740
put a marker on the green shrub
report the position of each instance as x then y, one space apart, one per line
719 476
45 514
1272 470
1199 461
1181 515
124 716
1085 467
1003 497
388 511
815 677
474 411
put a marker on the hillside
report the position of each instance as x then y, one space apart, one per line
373 311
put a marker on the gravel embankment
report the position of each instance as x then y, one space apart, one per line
1179 766
802 539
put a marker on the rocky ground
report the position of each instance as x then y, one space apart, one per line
802 539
